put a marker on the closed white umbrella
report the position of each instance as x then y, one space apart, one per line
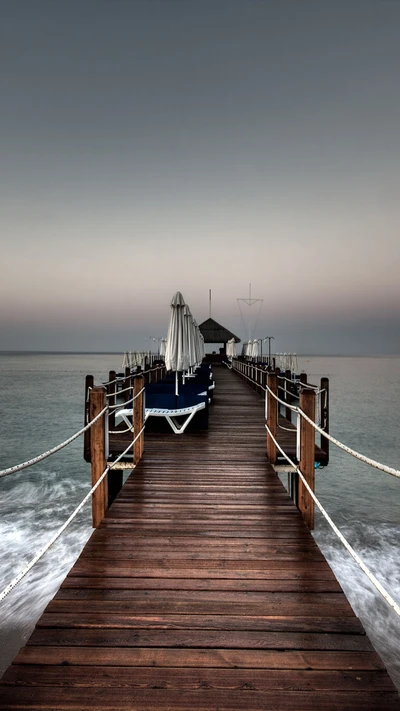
231 348
162 347
202 347
125 360
176 351
197 343
190 336
254 349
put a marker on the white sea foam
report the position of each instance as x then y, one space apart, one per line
31 511
378 548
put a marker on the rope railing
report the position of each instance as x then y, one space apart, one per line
40 457
393 604
353 452
108 395
361 457
116 380
131 375
124 404
344 447
61 530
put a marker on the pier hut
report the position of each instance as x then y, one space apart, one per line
202 586
213 332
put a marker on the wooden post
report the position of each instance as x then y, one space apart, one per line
89 382
111 391
325 416
115 476
288 398
307 456
142 405
138 384
272 417
303 378
127 383
97 402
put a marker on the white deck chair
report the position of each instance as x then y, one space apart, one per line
170 415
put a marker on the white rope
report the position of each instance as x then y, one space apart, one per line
108 395
347 545
117 379
124 404
357 455
287 429
40 457
282 402
58 533
41 553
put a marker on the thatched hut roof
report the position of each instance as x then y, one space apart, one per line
213 332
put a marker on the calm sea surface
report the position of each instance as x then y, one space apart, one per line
42 404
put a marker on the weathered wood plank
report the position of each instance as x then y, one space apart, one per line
16 698
193 657
199 678
198 638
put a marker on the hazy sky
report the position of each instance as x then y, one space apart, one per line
150 146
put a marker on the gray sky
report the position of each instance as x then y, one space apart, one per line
150 146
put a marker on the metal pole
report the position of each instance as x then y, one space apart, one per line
269 338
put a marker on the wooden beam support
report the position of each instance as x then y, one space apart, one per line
97 402
325 416
127 383
138 416
111 392
272 416
307 456
288 394
89 382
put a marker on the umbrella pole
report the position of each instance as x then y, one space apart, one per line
176 383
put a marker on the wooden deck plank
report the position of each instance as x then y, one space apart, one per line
193 657
201 589
197 678
83 698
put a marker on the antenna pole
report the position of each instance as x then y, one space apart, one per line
210 301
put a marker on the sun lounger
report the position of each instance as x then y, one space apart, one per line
178 410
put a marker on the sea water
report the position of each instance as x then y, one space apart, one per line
41 404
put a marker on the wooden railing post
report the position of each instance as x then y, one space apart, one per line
272 416
111 391
97 402
89 382
138 447
288 393
115 476
325 416
303 378
127 383
307 456
142 410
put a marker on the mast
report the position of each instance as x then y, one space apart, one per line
250 302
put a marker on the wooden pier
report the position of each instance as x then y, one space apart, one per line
202 588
